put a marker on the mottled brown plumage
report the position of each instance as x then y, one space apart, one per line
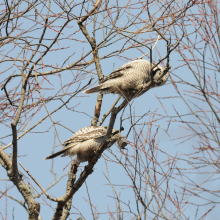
132 78
86 141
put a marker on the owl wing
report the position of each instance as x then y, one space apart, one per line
117 73
89 129
91 132
128 68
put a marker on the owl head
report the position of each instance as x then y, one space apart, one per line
158 75
121 140
122 143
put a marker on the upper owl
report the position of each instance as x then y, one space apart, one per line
86 141
132 77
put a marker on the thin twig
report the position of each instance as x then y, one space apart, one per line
106 115
52 199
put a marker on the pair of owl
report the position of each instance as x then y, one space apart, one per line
131 80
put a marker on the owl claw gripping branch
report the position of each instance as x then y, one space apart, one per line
134 77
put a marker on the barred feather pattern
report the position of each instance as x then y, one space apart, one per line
131 77
86 141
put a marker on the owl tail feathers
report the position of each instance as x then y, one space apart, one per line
104 89
56 154
92 90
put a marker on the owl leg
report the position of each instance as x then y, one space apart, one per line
77 160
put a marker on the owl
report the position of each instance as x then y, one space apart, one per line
86 141
132 78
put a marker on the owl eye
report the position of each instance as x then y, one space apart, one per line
155 71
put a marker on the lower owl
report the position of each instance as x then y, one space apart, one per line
86 141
